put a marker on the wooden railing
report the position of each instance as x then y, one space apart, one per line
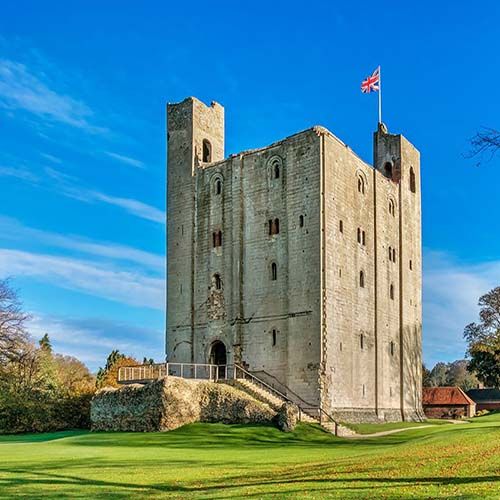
201 371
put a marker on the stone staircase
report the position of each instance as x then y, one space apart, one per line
265 396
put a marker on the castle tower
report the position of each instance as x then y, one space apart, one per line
195 135
398 317
298 261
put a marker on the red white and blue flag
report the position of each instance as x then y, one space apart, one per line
372 83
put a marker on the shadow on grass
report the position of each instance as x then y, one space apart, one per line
299 479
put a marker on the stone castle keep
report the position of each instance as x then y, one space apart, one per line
299 262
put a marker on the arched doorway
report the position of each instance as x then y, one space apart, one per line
218 356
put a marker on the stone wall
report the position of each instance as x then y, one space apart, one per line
172 402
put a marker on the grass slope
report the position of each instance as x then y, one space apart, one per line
220 461
389 426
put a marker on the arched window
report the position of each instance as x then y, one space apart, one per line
301 220
412 180
361 185
274 271
218 186
361 279
276 170
207 151
392 208
274 337
391 291
388 169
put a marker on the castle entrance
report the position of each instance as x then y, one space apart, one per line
218 356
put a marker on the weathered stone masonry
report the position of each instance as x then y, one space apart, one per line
299 261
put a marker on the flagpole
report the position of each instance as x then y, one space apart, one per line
379 95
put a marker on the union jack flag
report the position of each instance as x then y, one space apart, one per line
372 83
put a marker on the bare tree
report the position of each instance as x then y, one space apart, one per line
13 334
486 141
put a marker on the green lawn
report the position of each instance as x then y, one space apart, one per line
219 461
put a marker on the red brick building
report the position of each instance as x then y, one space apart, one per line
447 402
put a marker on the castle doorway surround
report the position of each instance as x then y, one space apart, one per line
218 356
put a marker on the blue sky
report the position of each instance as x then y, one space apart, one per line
83 88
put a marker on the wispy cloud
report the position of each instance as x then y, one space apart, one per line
451 292
132 206
71 187
126 159
13 230
19 173
128 287
22 89
51 158
92 339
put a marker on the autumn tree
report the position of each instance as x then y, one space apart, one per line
108 376
483 340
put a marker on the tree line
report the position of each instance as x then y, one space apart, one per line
41 390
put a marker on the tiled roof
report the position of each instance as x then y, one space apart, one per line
484 394
445 396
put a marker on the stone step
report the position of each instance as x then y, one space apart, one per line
264 396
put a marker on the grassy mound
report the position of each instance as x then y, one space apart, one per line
227 461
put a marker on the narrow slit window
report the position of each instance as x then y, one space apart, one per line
411 265
217 282
274 337
363 238
393 255
341 226
217 239
359 235
412 180
218 186
390 254
274 226
274 271
391 291
392 348
362 341
361 279
301 221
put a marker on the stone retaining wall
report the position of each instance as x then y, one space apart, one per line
172 402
